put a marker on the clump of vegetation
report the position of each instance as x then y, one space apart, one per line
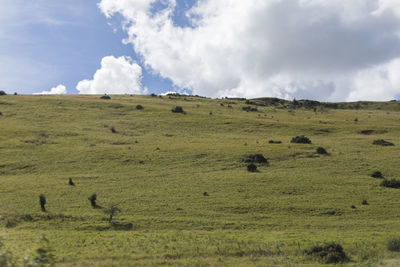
206 194
301 140
255 158
252 167
274 142
106 97
177 109
381 142
394 244
329 253
377 174
153 95
367 132
321 151
113 130
42 202
390 183
1 114
139 107
70 182
93 199
2 93
249 109
364 202
111 211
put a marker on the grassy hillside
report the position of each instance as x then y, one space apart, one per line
185 195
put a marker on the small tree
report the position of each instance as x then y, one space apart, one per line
112 210
42 201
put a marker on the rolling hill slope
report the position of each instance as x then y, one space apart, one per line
179 179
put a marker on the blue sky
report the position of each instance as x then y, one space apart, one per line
324 50
59 45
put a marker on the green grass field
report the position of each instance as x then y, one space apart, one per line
157 166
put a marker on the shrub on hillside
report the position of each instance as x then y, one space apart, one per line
301 140
329 253
367 132
139 107
255 158
394 244
113 130
251 167
42 202
377 174
106 97
381 142
391 183
2 93
321 151
249 109
178 109
92 200
70 182
274 142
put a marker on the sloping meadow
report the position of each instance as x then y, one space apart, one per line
181 183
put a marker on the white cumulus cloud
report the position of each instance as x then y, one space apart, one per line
116 76
326 50
59 90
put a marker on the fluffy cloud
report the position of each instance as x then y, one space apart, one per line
116 76
59 90
327 50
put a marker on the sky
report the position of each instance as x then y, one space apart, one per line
337 50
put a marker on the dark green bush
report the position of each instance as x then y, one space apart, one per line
364 202
255 158
301 140
113 130
2 93
377 174
274 142
177 109
249 109
322 151
251 167
381 142
42 202
92 200
394 244
391 183
106 97
328 253
139 107
367 132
